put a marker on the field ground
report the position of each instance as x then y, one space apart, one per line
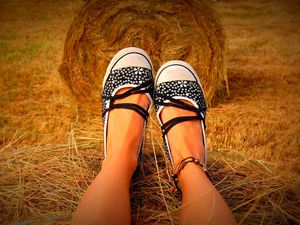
51 149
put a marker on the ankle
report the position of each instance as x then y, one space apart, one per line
190 175
184 152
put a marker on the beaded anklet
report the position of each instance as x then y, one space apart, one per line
182 164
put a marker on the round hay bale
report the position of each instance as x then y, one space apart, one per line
166 29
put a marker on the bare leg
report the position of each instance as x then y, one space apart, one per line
201 202
107 199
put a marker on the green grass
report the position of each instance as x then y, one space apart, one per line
240 15
12 52
8 35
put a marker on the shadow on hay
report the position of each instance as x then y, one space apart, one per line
243 84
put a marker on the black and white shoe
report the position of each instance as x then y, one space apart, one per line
130 68
177 81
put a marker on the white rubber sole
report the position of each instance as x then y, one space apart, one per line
194 74
119 55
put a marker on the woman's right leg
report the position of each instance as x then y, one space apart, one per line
201 202
107 199
126 97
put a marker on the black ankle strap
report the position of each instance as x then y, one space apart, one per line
178 104
143 88
174 102
140 110
171 123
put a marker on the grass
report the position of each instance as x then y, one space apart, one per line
51 150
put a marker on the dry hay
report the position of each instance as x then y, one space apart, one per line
166 29
43 184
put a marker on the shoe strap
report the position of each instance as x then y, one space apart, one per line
143 88
174 102
178 104
171 123
140 110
